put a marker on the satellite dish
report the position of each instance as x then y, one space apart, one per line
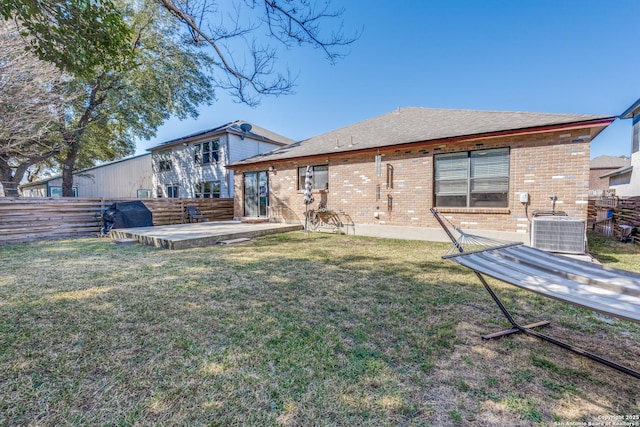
246 127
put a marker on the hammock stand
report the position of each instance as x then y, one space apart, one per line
609 291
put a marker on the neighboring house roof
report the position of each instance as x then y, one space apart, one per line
413 124
621 171
253 132
609 162
54 177
631 111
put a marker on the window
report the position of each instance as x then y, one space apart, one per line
172 191
472 179
143 194
164 160
206 152
56 191
208 190
320 177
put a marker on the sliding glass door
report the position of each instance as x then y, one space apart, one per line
256 194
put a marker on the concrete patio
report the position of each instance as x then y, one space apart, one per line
185 236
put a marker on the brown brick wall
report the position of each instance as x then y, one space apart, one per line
541 165
597 183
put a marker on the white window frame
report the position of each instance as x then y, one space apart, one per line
56 191
207 152
172 191
208 190
165 162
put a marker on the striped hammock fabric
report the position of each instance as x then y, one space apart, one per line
606 290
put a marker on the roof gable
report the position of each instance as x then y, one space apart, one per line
632 111
414 124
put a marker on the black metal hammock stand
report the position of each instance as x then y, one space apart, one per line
609 291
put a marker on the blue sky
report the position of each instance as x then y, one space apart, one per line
562 56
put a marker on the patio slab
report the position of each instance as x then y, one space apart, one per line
185 236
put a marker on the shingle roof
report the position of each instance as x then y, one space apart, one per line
609 162
256 132
414 124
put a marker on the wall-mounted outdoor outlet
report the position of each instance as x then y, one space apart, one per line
524 197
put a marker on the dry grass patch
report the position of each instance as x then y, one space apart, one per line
291 329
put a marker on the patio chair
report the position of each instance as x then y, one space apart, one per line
194 214
606 290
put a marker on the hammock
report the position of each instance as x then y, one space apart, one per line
606 290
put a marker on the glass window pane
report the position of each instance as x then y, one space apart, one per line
489 200
301 174
490 185
451 166
490 163
55 191
451 187
215 147
451 201
321 177
196 153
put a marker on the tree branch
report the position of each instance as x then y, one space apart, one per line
299 22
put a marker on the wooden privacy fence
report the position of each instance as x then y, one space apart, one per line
609 214
27 219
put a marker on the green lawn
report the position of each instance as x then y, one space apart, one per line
294 330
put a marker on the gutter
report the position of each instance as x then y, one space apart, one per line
616 172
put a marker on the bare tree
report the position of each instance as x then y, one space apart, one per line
32 99
292 22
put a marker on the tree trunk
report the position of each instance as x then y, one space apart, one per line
68 164
9 185
12 177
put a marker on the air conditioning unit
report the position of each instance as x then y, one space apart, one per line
559 234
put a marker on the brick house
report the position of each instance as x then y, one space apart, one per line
194 166
599 170
485 170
